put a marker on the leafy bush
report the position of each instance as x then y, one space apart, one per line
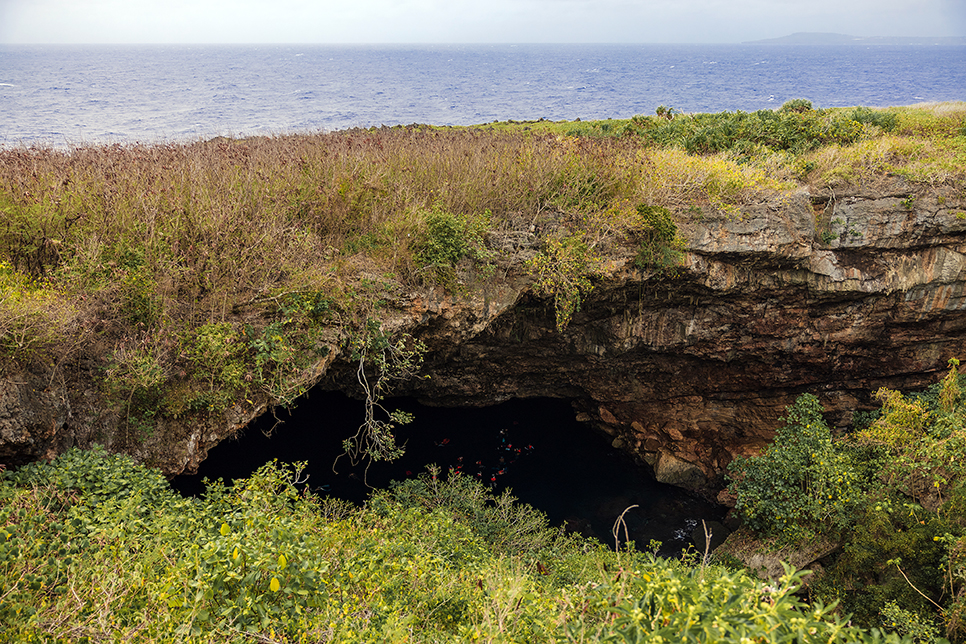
900 421
662 250
798 105
32 233
664 604
94 547
445 242
885 120
921 630
562 270
927 438
446 239
138 304
801 483
507 527
92 477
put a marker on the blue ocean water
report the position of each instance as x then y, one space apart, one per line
70 95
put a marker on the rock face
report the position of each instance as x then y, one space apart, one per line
685 372
32 417
689 372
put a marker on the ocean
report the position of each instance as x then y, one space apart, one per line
78 95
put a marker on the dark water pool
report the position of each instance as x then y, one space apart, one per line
534 447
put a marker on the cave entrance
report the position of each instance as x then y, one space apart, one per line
534 447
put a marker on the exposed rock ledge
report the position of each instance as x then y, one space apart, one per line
684 372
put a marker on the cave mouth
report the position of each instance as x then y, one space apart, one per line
533 446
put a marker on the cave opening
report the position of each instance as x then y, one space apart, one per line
534 447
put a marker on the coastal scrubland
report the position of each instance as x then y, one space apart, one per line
204 275
213 272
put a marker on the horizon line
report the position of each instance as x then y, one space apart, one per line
763 41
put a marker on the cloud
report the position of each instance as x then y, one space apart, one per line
370 21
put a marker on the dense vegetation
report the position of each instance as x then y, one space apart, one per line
97 548
892 493
218 273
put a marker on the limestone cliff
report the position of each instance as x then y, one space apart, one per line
836 294
833 293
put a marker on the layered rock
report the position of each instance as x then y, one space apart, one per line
690 371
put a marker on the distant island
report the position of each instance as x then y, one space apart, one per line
820 38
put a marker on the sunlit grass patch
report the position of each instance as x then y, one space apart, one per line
919 160
675 178
33 316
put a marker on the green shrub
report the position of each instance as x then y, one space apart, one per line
444 242
922 630
801 483
217 356
94 476
798 105
886 120
280 353
894 497
562 270
662 250
446 239
507 527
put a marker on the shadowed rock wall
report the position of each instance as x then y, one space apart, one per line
688 372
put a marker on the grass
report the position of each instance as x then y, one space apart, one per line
296 241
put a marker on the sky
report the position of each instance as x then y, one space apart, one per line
469 21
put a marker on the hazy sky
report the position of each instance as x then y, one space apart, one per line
481 21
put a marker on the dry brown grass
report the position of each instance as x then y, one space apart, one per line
205 226
155 241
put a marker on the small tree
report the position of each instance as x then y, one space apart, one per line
562 270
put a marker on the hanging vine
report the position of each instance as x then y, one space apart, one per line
381 362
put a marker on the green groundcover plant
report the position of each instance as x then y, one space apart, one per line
94 547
